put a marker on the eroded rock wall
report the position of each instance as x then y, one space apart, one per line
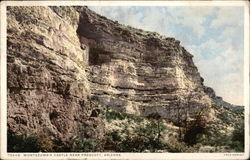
140 72
63 61
48 90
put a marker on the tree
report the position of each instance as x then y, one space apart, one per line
238 137
156 117
194 128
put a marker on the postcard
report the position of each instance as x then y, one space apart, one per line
124 80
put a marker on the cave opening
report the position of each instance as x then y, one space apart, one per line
98 56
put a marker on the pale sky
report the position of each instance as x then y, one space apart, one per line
214 35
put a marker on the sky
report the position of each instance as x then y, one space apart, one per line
214 35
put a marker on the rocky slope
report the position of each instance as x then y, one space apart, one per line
64 62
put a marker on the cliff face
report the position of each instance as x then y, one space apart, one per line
140 72
62 61
48 90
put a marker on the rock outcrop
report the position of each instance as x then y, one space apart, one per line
62 61
219 100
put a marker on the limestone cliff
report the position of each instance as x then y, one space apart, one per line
48 90
140 72
62 61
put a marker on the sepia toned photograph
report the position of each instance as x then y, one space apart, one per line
115 79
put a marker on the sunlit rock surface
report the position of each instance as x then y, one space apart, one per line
65 61
140 72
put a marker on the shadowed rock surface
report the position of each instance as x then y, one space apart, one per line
48 90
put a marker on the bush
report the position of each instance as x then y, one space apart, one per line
115 115
42 143
174 145
111 115
21 143
134 133
84 145
45 143
133 143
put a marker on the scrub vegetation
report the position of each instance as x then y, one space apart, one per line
131 133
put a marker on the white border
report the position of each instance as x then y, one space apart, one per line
246 76
5 155
3 81
126 3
